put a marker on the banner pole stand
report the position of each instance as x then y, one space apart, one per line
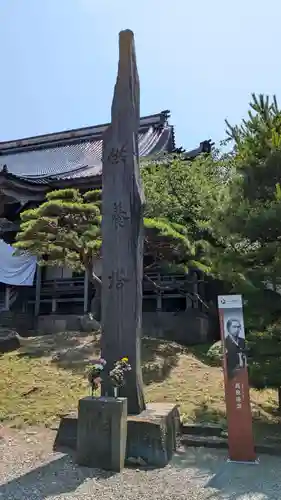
241 445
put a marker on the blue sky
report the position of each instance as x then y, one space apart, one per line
200 59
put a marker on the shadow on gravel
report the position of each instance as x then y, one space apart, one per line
232 481
238 481
206 469
61 476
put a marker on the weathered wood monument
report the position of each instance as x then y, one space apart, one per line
122 228
111 428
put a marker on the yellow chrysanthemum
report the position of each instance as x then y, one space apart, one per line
125 359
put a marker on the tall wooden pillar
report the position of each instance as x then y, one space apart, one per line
122 229
86 291
37 290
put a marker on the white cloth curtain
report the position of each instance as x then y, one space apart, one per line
16 269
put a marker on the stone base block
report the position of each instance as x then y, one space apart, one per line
66 436
152 436
8 341
57 323
102 433
49 324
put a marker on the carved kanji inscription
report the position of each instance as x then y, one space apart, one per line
119 215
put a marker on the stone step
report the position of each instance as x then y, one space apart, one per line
194 441
204 441
203 429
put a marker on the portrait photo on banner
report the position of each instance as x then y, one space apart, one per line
234 341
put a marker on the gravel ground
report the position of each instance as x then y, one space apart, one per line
29 470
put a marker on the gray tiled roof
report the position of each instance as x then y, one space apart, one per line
77 157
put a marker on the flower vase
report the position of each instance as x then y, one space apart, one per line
115 392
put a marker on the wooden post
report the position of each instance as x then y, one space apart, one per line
37 290
54 305
86 291
54 301
122 229
7 298
159 302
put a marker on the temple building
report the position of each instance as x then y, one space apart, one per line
32 167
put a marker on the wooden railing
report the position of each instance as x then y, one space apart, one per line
155 286
8 297
158 282
58 287
153 282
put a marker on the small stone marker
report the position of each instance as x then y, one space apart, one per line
122 229
102 433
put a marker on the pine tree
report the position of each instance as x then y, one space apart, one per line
253 215
250 226
65 231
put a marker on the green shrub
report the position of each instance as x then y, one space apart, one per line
265 357
215 354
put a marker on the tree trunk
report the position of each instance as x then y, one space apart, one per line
122 229
96 301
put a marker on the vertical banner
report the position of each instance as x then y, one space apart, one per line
237 395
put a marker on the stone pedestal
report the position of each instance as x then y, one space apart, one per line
102 433
153 435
